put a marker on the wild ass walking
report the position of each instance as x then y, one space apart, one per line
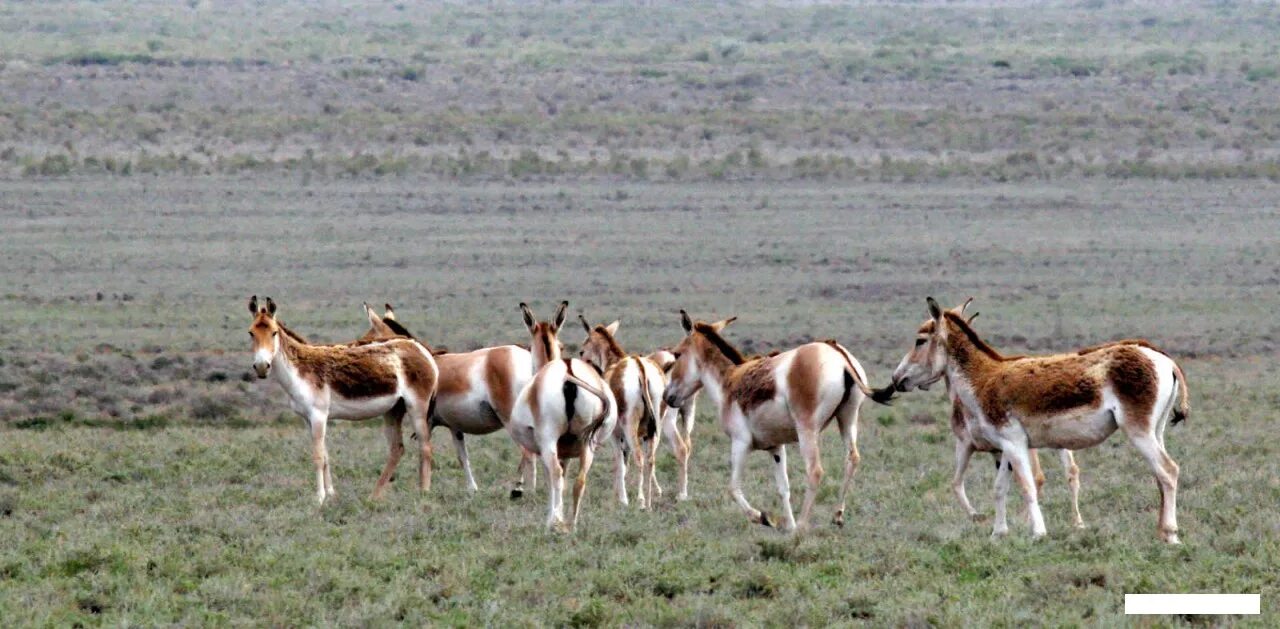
768 402
638 385
966 445
476 393
1070 401
393 378
553 420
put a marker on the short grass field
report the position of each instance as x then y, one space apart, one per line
1088 171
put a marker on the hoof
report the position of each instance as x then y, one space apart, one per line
999 534
1081 525
977 517
839 519
517 494
682 497
764 519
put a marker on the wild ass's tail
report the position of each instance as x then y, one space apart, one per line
651 417
571 380
1183 409
853 376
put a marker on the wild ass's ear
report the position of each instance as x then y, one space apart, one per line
962 307
389 312
271 307
972 317
253 305
529 321
586 326
560 314
685 321
612 328
374 319
935 310
723 323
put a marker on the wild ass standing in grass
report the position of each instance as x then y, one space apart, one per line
1071 401
475 395
768 402
966 445
393 378
638 385
553 420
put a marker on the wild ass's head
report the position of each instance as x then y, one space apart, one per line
545 341
265 332
702 348
926 362
383 327
601 347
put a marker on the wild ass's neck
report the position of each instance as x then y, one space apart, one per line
545 350
285 366
715 369
967 354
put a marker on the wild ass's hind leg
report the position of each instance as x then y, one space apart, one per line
964 451
395 449
421 424
813 472
461 445
738 450
555 488
1073 484
784 487
620 455
527 474
1166 473
580 484
848 421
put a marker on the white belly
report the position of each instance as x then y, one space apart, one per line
361 408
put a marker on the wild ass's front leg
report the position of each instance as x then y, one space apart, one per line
319 452
1073 484
964 451
738 450
527 474
1017 454
681 449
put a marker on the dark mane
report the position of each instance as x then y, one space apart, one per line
614 347
291 334
718 341
973 336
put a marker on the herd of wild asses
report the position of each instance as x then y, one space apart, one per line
557 408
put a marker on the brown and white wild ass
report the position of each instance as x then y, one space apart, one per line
966 445
638 385
1073 401
554 420
476 393
393 378
768 402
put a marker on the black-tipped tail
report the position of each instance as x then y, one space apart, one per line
883 396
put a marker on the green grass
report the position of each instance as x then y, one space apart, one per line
198 525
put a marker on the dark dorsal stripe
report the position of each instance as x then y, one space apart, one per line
718 341
973 336
291 334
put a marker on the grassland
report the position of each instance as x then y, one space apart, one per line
1088 171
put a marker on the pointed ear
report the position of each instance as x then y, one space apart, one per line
390 312
973 316
271 308
585 326
723 323
612 328
253 305
685 321
529 321
964 305
935 310
560 314
373 317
